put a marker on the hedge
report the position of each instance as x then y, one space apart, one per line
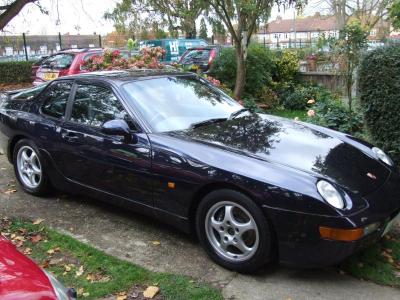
15 71
379 84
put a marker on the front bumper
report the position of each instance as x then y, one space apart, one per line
299 239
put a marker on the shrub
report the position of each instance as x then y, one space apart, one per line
113 60
259 68
334 115
16 71
296 96
379 86
287 66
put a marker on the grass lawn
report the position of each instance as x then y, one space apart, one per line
379 263
290 114
93 273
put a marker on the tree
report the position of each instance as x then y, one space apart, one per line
240 17
11 9
394 14
349 47
180 14
203 29
367 12
126 19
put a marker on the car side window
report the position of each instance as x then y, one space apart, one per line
56 98
94 105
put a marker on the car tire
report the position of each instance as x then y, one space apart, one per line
241 240
30 169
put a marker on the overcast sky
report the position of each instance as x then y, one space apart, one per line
85 14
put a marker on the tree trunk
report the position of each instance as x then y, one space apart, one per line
240 71
11 11
190 30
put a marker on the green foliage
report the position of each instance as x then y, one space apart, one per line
379 79
15 71
259 67
334 115
296 96
203 30
349 47
394 14
287 66
131 44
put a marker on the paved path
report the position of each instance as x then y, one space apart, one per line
129 236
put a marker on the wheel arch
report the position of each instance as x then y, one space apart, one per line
13 142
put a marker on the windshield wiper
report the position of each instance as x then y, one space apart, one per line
237 113
207 122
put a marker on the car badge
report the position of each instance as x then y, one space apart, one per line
372 176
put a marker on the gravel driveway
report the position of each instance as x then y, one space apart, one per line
130 236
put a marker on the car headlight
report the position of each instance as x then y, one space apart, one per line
382 156
330 194
61 291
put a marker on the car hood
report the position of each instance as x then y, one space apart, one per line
294 144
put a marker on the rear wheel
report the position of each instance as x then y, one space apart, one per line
29 168
234 231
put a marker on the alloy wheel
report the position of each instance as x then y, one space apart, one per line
232 231
29 167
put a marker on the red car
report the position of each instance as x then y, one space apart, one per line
66 62
22 279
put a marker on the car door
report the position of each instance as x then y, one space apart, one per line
100 161
47 131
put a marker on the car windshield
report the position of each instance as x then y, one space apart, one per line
196 56
178 102
29 93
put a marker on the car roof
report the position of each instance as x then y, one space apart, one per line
80 50
127 75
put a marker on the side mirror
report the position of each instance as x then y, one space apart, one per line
117 127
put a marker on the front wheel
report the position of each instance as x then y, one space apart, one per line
29 168
234 231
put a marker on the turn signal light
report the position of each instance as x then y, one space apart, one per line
345 235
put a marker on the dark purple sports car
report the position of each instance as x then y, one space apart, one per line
254 188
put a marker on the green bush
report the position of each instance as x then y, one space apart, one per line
296 96
334 115
379 86
15 71
287 66
259 69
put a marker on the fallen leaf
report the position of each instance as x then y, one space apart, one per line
22 231
10 191
38 221
396 274
50 251
79 272
151 292
97 278
85 294
54 261
36 238
27 251
67 268
19 238
156 243
122 296
80 291
45 264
